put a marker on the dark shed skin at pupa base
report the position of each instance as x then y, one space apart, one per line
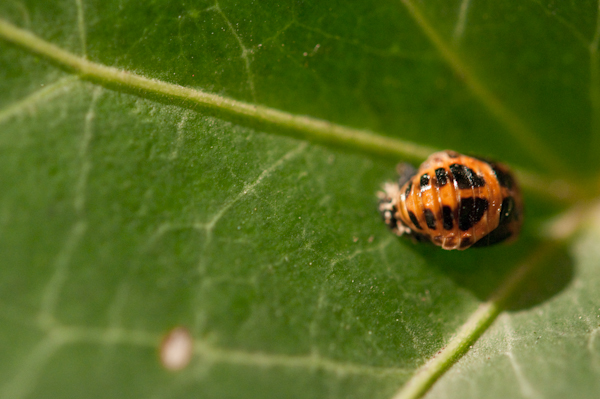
454 201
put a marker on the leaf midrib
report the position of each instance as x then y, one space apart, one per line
273 120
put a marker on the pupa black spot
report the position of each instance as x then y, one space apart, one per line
408 188
465 242
465 177
504 178
448 217
414 219
425 182
507 210
441 177
429 218
470 212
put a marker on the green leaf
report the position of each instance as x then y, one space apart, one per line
551 350
226 184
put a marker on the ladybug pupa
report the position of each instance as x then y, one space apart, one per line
454 201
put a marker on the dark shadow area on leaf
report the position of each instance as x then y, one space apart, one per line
546 280
482 270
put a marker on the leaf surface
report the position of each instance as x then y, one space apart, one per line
122 217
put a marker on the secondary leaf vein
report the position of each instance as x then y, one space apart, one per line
29 103
245 51
81 27
514 124
461 22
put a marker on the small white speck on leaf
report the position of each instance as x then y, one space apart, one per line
176 349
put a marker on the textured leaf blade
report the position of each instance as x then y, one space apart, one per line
122 217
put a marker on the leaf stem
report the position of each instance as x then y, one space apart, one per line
259 116
477 323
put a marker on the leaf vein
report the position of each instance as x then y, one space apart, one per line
245 51
81 27
471 330
514 124
249 188
524 385
51 292
25 379
461 22
29 103
86 163
299 126
274 120
215 355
